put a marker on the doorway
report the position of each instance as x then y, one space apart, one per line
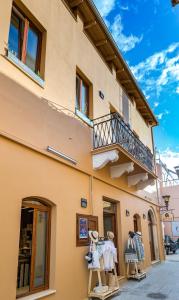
110 222
109 219
137 223
151 235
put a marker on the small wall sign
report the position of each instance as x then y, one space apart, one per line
84 203
101 95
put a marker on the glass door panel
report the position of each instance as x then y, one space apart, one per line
25 251
40 251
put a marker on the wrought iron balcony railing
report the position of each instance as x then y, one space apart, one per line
111 129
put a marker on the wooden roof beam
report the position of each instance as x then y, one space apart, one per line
90 24
141 106
75 3
175 2
120 71
110 57
125 81
131 91
145 114
101 43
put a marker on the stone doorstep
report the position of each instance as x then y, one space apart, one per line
155 262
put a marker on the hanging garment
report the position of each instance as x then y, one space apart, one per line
95 255
139 247
109 255
130 252
95 264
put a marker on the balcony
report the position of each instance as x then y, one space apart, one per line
112 130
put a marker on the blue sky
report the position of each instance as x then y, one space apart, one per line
147 33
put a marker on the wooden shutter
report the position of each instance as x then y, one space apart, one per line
92 224
125 107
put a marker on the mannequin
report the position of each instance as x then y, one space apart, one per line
130 253
139 248
95 262
102 257
112 275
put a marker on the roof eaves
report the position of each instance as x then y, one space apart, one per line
118 52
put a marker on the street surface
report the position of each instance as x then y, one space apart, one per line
162 282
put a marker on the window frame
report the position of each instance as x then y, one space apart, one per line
44 208
87 86
84 242
23 40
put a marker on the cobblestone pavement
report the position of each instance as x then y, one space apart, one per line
162 282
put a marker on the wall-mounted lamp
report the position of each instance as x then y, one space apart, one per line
144 216
101 95
166 199
127 213
84 202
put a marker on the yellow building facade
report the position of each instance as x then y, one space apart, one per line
76 146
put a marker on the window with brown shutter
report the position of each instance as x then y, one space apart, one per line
84 223
82 96
125 107
25 40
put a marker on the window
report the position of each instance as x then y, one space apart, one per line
137 223
33 260
125 107
82 96
84 223
25 40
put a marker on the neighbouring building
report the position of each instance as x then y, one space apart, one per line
76 149
169 186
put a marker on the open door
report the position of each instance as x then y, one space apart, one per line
110 221
151 236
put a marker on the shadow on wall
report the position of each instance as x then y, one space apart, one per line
41 122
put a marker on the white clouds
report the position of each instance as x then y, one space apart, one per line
156 104
159 69
162 114
105 6
177 90
124 7
170 158
125 43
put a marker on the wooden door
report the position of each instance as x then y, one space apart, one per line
109 220
151 241
110 223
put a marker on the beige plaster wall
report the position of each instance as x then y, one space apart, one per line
27 173
33 120
68 47
28 118
144 131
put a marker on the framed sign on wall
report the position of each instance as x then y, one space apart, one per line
84 223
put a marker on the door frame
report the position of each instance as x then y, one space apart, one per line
151 234
116 223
